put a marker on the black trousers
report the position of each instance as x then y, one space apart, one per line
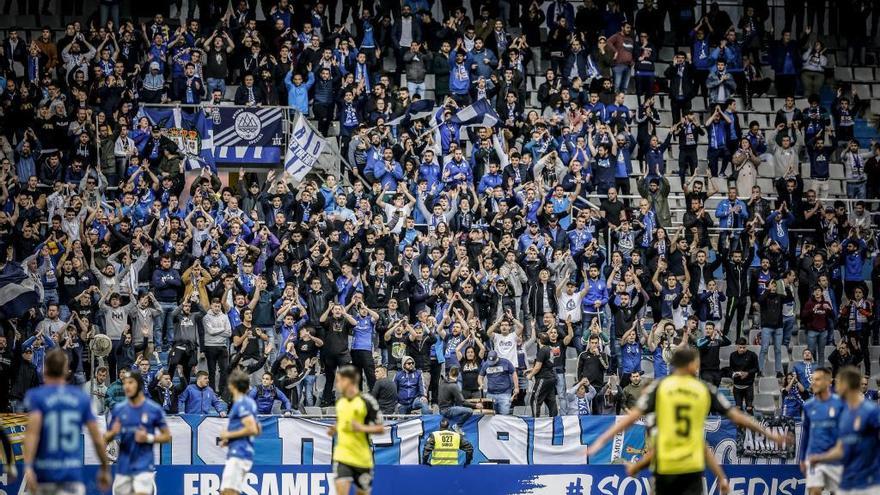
711 376
330 363
735 306
186 358
544 392
218 360
434 384
679 107
687 163
324 115
743 398
363 360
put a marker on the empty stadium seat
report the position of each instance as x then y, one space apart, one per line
768 385
765 404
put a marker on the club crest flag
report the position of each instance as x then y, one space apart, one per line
247 135
304 148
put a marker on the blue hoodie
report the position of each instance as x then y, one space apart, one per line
266 396
853 262
298 96
597 291
195 400
459 75
409 386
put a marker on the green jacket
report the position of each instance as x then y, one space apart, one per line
659 201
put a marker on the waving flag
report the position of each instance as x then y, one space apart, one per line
17 292
418 109
304 149
479 114
190 130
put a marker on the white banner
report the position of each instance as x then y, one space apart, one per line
303 150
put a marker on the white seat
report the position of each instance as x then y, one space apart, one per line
765 404
862 74
768 385
843 73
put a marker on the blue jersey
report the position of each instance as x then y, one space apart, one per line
242 448
631 357
860 435
136 457
362 336
820 425
65 410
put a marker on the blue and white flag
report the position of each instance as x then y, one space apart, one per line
479 114
247 135
418 109
303 150
17 292
190 130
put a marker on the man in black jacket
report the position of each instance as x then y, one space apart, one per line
26 377
163 392
736 270
743 369
679 76
539 292
592 363
710 354
771 326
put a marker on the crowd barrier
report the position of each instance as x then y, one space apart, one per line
293 456
482 480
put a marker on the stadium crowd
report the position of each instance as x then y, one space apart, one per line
462 269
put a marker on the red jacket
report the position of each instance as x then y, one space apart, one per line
816 315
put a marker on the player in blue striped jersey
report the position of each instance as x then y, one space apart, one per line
53 440
858 438
821 416
139 423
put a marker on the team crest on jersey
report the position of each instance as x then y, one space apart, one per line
857 423
831 412
144 418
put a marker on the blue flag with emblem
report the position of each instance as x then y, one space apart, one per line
191 131
17 292
251 135
479 114
418 109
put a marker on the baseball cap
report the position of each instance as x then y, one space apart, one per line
492 358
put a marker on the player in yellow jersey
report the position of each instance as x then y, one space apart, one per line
357 416
681 403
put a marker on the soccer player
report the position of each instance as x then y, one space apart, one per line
681 403
139 423
819 433
858 438
357 415
239 435
53 440
634 468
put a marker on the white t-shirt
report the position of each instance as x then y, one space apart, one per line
402 213
570 305
505 346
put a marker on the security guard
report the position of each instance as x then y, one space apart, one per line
445 444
